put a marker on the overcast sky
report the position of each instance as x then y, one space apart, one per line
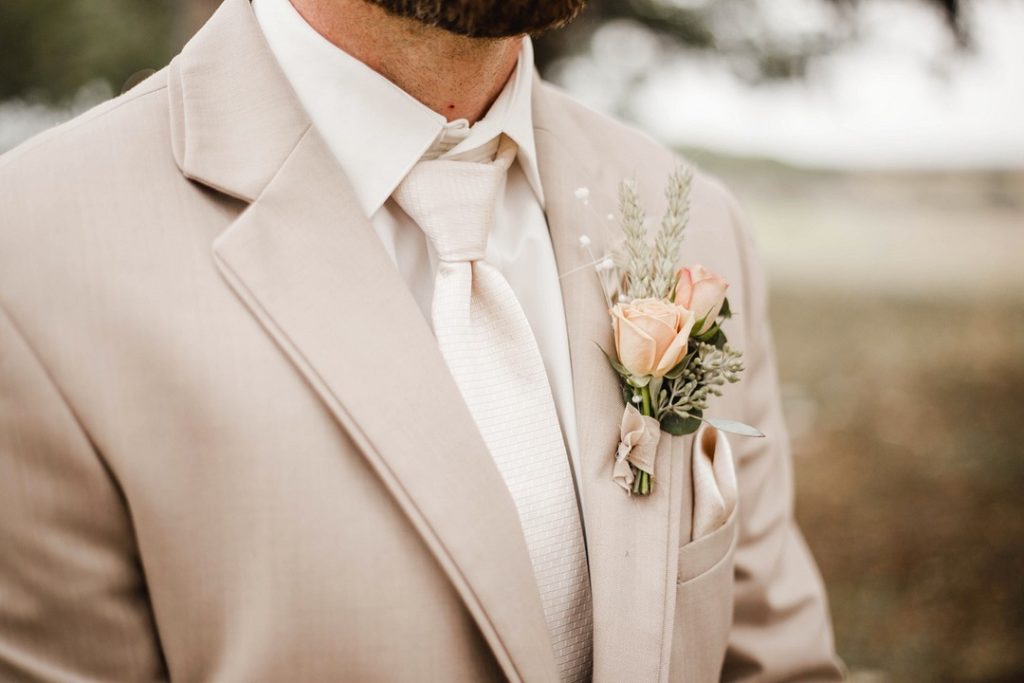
898 97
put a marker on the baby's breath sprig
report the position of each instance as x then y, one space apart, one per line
606 267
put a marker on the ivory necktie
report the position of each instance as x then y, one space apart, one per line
490 349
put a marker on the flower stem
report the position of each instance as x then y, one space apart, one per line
642 484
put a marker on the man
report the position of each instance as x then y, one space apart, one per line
240 438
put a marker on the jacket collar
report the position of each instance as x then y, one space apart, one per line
229 89
303 251
303 258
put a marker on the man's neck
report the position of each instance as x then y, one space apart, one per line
457 77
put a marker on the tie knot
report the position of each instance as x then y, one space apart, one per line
453 202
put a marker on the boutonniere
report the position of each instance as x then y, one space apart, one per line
671 352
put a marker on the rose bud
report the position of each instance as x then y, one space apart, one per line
651 335
701 291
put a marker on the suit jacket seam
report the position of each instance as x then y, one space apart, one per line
61 394
54 134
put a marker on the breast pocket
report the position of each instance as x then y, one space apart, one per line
704 602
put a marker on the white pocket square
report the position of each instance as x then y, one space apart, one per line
714 481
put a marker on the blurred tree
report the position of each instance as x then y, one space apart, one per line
191 15
733 29
49 49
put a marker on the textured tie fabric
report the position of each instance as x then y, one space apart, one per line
490 349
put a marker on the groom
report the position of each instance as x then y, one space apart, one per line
298 379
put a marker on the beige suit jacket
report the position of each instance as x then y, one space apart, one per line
231 451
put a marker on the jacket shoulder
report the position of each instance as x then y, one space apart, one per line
628 152
613 135
86 186
92 139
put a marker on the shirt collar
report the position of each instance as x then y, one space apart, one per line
375 129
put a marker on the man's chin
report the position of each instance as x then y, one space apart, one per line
487 18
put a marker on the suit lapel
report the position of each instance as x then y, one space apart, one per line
632 541
308 265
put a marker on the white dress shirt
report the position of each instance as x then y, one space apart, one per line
378 132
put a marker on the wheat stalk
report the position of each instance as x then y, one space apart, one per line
670 237
637 251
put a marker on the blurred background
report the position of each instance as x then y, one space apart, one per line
878 148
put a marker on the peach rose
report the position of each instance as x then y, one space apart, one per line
701 291
651 335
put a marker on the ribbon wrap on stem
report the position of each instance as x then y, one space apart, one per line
638 444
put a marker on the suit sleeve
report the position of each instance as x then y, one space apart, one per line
72 597
781 625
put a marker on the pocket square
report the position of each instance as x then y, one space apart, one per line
714 481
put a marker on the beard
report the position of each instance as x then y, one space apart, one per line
487 18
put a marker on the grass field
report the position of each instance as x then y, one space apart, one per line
908 420
898 309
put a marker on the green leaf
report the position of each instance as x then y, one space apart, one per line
734 427
709 335
616 365
655 389
680 368
726 312
677 425
627 394
715 336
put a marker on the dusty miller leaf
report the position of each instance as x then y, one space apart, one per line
734 427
